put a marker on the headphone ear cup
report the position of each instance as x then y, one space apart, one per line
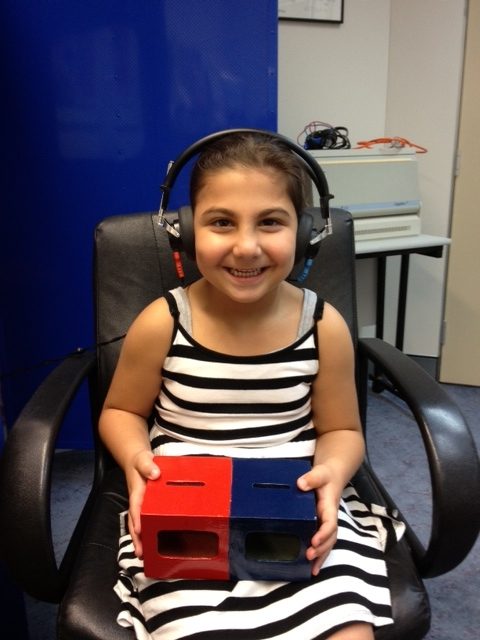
304 235
187 234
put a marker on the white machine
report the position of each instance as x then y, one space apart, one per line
378 186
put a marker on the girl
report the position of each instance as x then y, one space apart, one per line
244 364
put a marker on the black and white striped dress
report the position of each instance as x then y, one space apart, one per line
258 406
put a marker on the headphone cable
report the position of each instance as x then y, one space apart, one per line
55 360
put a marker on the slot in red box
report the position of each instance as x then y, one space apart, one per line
185 519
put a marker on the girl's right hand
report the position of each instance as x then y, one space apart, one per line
141 469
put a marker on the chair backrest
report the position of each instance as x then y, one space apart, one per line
134 265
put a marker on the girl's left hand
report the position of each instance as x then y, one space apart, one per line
320 479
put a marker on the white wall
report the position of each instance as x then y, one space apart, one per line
392 68
423 97
336 73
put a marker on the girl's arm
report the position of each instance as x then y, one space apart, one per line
340 446
129 402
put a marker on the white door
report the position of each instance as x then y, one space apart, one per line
460 355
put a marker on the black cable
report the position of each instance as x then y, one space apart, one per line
322 135
328 138
49 361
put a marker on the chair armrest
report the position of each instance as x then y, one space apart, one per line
25 482
452 457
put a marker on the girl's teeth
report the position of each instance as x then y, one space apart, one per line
247 273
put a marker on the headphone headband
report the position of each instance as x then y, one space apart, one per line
311 165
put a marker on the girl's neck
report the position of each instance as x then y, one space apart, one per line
240 328
210 300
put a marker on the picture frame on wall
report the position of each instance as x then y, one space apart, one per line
311 10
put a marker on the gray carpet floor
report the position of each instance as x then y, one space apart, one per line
396 453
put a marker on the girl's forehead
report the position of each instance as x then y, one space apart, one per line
256 185
245 189
266 174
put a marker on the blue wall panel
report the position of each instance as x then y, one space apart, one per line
97 96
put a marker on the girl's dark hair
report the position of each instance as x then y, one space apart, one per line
253 150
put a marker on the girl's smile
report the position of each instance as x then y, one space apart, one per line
245 273
245 277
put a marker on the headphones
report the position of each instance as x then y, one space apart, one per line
181 230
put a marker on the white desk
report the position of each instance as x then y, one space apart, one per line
396 246
402 246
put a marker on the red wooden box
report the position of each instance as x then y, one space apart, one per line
185 519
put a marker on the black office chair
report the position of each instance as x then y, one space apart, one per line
133 266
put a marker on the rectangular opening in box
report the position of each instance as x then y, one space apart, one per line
188 544
185 483
270 485
272 547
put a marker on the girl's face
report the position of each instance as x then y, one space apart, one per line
245 232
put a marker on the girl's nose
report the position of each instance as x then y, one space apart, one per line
246 243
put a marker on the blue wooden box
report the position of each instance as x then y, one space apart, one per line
271 521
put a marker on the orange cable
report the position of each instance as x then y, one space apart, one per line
393 142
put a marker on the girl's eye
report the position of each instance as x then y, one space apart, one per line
221 223
270 222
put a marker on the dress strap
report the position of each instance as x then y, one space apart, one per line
172 305
318 313
179 305
312 311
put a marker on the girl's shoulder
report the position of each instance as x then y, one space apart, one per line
332 325
158 309
153 326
